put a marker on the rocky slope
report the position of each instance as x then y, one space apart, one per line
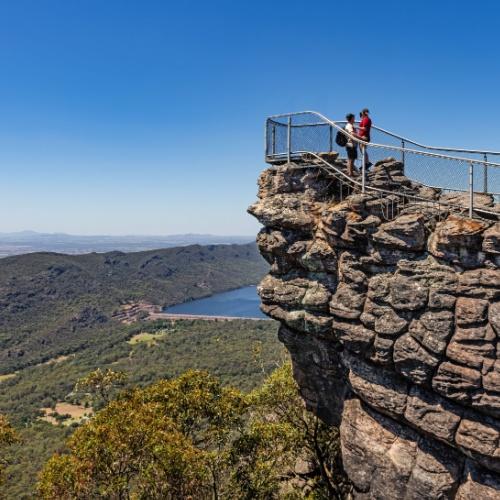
390 309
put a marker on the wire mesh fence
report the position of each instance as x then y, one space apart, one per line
289 135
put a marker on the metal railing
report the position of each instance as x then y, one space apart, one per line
391 202
381 135
448 169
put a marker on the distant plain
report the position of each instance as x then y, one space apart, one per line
30 241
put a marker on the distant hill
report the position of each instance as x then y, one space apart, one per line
53 304
30 241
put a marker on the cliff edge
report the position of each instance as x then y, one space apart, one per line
390 308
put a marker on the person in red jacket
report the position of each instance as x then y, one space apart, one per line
365 126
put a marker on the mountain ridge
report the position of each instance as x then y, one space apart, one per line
54 304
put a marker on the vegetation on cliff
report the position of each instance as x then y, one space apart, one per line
193 437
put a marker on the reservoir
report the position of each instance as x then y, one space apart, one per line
240 303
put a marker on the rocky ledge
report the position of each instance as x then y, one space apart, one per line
392 320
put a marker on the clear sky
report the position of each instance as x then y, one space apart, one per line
146 117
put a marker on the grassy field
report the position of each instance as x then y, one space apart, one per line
150 339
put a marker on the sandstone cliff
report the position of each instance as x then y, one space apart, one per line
390 309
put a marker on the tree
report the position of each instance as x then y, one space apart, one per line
280 432
165 441
124 452
191 437
100 384
8 436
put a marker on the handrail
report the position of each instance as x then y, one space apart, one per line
359 141
354 182
392 134
308 136
435 148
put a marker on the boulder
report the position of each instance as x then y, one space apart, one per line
414 361
406 232
456 382
433 414
469 311
433 330
407 294
458 240
491 239
347 302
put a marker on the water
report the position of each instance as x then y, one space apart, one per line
240 303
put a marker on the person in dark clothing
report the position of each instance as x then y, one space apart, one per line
351 147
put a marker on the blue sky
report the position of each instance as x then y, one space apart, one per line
146 117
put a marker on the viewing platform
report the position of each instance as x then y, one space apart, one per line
464 180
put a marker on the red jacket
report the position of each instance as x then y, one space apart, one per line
365 126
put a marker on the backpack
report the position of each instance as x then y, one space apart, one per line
341 139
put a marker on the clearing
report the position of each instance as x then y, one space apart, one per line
148 338
7 376
66 414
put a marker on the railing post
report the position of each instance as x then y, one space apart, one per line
289 139
471 189
403 154
273 149
266 140
485 174
331 138
363 168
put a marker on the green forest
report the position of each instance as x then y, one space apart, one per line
190 436
54 305
57 325
239 352
183 408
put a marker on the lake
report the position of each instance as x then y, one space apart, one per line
240 303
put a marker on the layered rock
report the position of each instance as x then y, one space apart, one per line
390 308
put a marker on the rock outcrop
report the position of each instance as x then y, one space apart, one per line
390 309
